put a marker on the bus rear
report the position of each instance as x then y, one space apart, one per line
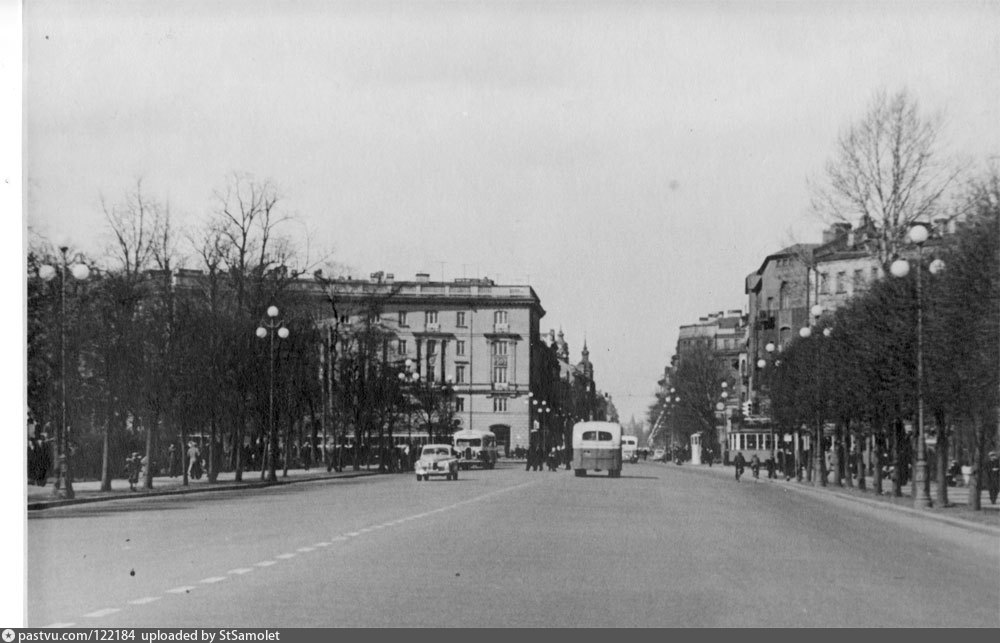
597 446
475 448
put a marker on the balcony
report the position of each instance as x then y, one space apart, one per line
433 327
501 328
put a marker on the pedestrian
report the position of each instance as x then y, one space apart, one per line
529 460
708 456
739 463
133 464
194 461
755 465
993 476
769 464
172 461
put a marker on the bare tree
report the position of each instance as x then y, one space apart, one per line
887 170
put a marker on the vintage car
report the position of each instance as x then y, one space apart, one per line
437 460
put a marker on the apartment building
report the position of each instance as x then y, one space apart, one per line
479 337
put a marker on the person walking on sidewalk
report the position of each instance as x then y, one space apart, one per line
133 464
993 476
739 463
755 466
172 461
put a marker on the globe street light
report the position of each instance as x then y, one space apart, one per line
900 268
269 328
80 272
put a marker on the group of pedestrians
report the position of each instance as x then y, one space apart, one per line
536 459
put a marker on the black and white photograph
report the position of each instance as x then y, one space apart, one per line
502 314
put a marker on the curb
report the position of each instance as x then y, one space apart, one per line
39 505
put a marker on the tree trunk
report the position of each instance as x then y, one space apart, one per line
838 457
847 449
975 482
942 464
105 454
213 469
147 483
897 459
819 476
877 463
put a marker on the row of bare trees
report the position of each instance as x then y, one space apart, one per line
158 354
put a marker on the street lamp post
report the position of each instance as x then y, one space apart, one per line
408 378
900 268
63 486
269 328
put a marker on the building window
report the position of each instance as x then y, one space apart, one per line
841 278
783 302
500 317
859 279
460 374
500 374
824 284
459 404
431 348
402 318
429 377
460 318
751 441
460 348
499 348
499 405
402 347
431 317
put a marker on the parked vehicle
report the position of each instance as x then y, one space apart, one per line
437 460
659 455
597 446
475 448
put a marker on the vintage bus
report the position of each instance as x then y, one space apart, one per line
597 446
630 448
475 448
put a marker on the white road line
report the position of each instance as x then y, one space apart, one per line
264 563
212 579
322 544
305 549
241 570
144 600
103 612
54 625
285 556
352 534
181 590
339 539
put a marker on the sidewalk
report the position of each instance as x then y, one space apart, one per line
87 491
957 512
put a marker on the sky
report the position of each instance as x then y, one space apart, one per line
633 162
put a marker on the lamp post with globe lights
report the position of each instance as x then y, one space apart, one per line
63 486
900 268
268 329
408 379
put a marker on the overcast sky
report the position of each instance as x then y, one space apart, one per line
632 162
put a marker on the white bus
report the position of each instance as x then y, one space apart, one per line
475 448
630 448
597 446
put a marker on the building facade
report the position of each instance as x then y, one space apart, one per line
479 338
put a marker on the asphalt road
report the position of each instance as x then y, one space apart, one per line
660 546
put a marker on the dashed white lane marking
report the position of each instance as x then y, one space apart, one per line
352 534
305 549
339 539
264 563
322 544
144 600
181 590
54 625
240 570
285 556
212 579
103 612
